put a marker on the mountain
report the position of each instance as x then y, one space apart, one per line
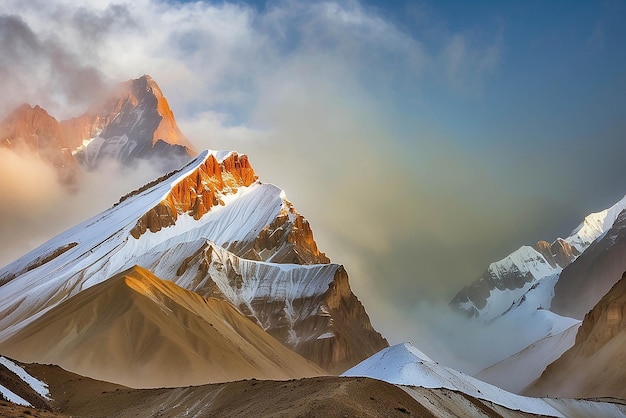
137 330
405 365
133 124
212 228
594 366
33 130
505 281
583 284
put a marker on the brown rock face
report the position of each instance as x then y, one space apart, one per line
287 239
197 193
584 282
310 309
595 366
291 234
32 129
355 339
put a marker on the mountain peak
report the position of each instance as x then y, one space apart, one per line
135 122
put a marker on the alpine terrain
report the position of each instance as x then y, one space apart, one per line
542 292
176 299
213 229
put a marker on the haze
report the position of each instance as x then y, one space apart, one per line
422 141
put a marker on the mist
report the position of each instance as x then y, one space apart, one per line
35 207
420 148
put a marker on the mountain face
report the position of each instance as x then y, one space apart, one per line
581 285
594 366
507 280
214 229
33 130
140 331
134 124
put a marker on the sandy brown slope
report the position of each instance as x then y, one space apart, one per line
140 331
596 365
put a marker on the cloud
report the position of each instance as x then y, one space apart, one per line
318 94
34 207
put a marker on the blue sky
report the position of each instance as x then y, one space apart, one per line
422 139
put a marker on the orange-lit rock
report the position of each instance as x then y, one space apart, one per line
32 129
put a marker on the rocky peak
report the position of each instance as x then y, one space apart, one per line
134 122
33 129
198 192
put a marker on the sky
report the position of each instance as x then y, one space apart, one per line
422 139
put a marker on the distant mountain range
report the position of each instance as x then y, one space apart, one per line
542 292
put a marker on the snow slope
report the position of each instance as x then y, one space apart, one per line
405 365
515 373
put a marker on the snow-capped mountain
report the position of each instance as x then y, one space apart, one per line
507 280
583 283
134 123
213 228
405 365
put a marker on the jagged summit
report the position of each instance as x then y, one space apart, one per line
135 122
32 129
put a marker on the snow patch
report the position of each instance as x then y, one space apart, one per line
37 385
12 397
